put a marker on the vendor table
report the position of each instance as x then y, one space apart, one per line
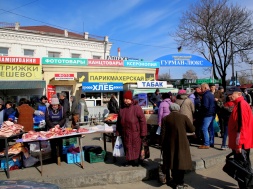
6 147
58 155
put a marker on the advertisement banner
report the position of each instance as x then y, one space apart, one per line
105 63
185 60
143 99
141 64
151 84
64 61
20 72
19 60
51 90
101 87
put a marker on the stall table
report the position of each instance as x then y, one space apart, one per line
6 156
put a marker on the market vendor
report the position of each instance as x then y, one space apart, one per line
55 118
55 115
156 99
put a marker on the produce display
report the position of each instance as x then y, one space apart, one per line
111 118
9 128
53 132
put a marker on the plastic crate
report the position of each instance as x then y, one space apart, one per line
65 148
74 158
69 141
95 158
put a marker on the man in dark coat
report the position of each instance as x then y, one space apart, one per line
132 127
66 107
113 106
175 145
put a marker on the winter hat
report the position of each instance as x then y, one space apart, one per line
174 107
181 91
128 95
157 90
55 100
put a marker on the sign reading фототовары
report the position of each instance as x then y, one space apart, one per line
101 87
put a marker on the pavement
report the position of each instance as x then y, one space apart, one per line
110 172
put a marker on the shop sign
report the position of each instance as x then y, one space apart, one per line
151 84
116 58
141 64
20 72
200 81
101 87
105 63
65 61
19 60
110 77
64 76
185 60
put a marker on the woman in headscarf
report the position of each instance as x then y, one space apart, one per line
175 145
132 127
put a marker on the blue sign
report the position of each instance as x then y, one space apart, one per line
141 64
186 60
101 87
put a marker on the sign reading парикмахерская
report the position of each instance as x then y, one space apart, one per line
186 60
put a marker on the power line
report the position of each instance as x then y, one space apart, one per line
79 32
19 6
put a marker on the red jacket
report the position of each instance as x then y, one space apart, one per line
246 134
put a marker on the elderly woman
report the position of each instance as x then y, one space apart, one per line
175 145
132 127
186 105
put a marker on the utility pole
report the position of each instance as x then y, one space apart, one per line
233 71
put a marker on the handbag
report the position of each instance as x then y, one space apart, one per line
118 150
145 153
239 168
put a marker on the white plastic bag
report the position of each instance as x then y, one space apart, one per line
118 150
158 131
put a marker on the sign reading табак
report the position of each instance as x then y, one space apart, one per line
151 84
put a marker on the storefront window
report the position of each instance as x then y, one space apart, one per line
28 52
4 51
75 55
54 54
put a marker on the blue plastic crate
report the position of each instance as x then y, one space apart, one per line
74 158
65 148
11 163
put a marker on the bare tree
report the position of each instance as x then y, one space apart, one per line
190 74
244 77
165 77
219 31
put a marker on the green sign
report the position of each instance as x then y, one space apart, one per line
65 61
200 81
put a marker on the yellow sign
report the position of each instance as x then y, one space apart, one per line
116 77
20 72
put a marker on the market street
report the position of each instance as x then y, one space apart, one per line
209 178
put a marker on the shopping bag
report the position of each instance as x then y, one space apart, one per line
145 153
118 150
239 168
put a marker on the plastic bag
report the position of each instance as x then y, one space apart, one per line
118 150
30 161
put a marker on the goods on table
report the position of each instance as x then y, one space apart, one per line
53 132
16 149
9 128
111 118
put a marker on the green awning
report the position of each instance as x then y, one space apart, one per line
162 90
22 85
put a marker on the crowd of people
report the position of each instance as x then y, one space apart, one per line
197 111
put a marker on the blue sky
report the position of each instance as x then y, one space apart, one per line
139 27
